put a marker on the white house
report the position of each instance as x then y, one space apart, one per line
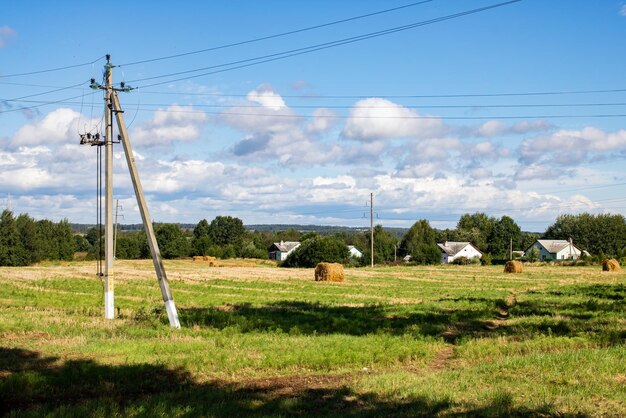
450 251
280 250
354 252
554 249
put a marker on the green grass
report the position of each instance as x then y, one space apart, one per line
443 341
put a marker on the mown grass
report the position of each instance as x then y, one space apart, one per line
260 341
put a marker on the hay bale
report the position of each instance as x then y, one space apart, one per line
329 272
611 265
208 258
197 258
513 266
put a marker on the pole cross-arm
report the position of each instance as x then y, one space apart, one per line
172 314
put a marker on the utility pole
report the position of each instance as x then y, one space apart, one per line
372 227
159 268
108 205
511 249
113 106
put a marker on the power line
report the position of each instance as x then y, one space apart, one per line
312 48
366 96
396 96
335 116
421 106
44 104
49 70
264 38
46 92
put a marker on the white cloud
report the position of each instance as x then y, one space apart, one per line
375 118
6 34
266 97
322 120
60 125
622 10
280 135
493 128
176 123
572 147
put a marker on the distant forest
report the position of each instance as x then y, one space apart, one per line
24 241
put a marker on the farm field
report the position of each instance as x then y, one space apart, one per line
257 340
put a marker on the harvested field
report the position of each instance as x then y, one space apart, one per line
264 341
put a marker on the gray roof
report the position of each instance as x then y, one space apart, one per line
452 248
286 246
553 245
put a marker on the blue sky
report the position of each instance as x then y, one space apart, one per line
416 117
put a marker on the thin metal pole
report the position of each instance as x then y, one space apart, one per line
372 227
159 268
108 232
117 206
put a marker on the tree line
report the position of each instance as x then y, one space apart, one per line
24 241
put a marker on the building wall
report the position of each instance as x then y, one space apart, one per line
566 254
468 252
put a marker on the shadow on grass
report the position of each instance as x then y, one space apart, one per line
597 317
31 385
305 318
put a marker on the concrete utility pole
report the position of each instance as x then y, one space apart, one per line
372 227
511 249
159 268
108 205
113 106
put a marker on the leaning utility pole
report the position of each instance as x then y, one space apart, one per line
372 227
113 106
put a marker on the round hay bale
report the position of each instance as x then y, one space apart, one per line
513 266
329 272
611 265
208 258
197 258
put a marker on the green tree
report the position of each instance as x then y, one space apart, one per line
476 228
47 243
384 246
596 233
502 232
201 241
11 250
318 249
172 242
64 240
225 230
419 242
27 228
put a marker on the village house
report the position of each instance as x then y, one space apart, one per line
554 249
450 251
354 252
280 250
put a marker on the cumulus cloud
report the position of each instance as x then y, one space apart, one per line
572 147
266 97
375 118
322 120
60 125
6 34
275 133
493 128
176 123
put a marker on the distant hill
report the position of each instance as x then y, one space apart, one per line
320 229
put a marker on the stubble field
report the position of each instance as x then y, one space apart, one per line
258 340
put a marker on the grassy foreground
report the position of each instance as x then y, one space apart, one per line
443 341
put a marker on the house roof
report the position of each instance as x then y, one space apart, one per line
553 246
286 246
452 247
